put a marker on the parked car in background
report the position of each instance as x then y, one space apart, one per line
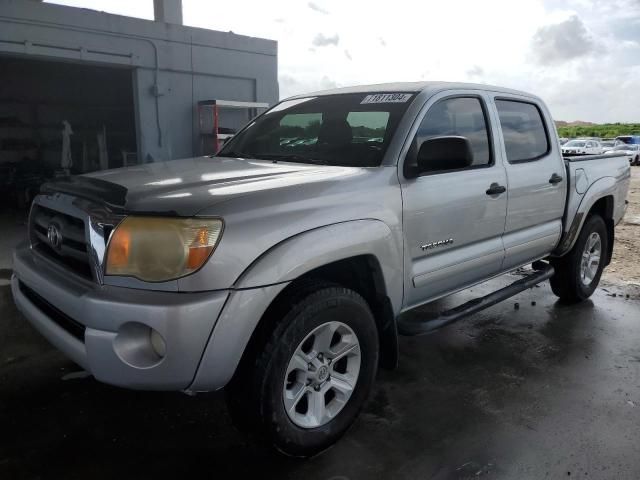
608 144
629 139
582 147
632 152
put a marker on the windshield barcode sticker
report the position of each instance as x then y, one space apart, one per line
386 98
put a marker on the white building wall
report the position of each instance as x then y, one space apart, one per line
173 66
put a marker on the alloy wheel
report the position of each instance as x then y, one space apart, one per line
590 259
321 375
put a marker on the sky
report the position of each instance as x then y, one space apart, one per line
581 56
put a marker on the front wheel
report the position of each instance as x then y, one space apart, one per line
578 273
313 375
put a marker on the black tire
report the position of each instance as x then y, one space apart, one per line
255 395
636 162
566 282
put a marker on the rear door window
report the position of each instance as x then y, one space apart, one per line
523 130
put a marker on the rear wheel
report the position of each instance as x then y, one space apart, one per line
307 384
578 273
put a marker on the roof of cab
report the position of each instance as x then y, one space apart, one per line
410 87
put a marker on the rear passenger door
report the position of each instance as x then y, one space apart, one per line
536 178
452 222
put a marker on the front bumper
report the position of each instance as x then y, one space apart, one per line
106 333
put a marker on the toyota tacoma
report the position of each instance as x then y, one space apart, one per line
279 267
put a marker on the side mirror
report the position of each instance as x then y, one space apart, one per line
444 153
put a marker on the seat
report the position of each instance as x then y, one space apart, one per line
335 132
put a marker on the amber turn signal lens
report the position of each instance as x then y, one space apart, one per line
119 248
199 250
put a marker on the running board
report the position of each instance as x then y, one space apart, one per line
412 328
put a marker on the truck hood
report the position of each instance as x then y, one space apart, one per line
185 187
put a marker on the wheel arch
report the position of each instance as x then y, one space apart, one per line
599 199
362 274
604 208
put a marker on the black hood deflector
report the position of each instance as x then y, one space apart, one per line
96 190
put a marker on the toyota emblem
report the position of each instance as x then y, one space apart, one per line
54 236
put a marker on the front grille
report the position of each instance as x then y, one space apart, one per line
71 251
60 318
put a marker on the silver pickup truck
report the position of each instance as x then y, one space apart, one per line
279 267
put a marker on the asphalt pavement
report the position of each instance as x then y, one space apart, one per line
528 391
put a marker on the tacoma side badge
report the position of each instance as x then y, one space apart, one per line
439 243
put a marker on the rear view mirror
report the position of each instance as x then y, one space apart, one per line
444 153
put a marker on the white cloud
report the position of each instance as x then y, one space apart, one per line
475 71
517 44
317 8
564 41
322 40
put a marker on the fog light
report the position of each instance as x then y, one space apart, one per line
139 345
158 343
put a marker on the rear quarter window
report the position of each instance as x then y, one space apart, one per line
523 130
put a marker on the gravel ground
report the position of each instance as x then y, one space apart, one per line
625 265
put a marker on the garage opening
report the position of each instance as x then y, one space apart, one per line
58 119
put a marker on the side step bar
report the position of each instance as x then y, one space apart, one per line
412 328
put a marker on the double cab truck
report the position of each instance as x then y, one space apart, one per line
279 267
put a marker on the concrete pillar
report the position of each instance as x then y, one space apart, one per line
168 11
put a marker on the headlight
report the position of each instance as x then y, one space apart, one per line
156 249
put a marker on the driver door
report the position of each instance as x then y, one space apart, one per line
453 224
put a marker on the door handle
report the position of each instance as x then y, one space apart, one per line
496 189
555 178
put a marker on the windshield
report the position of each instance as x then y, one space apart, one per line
344 130
574 143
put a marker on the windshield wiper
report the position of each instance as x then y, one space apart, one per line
292 157
234 155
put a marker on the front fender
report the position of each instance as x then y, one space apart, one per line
309 250
262 281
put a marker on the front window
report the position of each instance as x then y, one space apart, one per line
575 143
344 130
457 116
